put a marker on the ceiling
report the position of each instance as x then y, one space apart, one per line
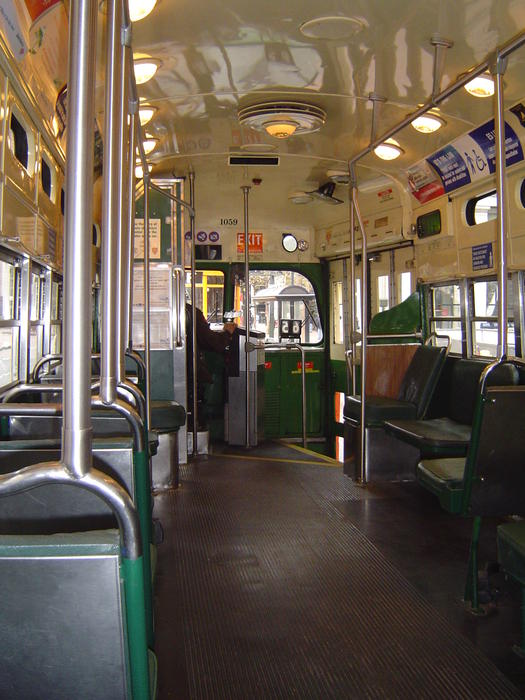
219 55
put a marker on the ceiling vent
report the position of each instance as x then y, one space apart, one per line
283 119
340 177
252 159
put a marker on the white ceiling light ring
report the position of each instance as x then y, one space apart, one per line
481 86
427 123
332 28
300 198
388 150
268 116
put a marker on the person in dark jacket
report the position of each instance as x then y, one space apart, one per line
207 340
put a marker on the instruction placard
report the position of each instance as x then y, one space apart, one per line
154 239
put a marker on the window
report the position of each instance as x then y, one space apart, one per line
445 314
337 313
8 282
484 322
383 291
209 293
405 285
482 209
277 294
18 141
46 177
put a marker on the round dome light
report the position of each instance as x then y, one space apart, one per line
145 69
138 9
281 129
388 150
482 86
427 123
146 113
149 144
282 119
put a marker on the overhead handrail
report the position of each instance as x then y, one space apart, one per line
292 346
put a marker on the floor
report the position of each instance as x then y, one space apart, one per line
280 578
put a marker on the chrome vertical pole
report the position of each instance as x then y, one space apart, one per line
122 231
194 357
111 206
498 70
246 191
361 477
76 426
352 329
131 222
147 325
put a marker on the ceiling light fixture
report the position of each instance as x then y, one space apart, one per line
149 144
283 119
388 150
331 28
481 86
145 69
146 113
281 129
138 9
428 123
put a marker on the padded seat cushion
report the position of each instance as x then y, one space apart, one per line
167 416
378 409
432 435
449 469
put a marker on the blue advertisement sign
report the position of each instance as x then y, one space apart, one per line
482 257
485 137
450 167
473 156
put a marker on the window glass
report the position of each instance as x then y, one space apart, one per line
35 345
446 314
56 339
482 209
35 297
209 293
8 278
358 304
405 285
277 294
485 318
18 141
8 355
56 299
337 312
45 177
383 293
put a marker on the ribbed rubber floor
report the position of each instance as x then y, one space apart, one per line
265 591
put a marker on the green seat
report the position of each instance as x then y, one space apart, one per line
87 632
167 416
491 480
444 478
